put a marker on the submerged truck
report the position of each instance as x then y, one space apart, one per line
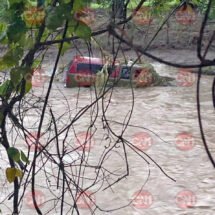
82 72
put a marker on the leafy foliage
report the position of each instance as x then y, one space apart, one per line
17 155
17 34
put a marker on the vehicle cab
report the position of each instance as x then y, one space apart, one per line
81 71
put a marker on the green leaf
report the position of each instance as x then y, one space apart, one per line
4 5
7 63
3 31
15 1
15 76
6 88
28 87
26 42
66 1
6 16
83 31
28 84
11 58
78 5
24 158
14 154
33 2
37 62
57 16
12 173
19 173
16 30
53 21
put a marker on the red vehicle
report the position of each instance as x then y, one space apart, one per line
81 71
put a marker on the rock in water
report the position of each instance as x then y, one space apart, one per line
146 77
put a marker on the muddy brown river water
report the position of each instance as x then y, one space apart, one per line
171 138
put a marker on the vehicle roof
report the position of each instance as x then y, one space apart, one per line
85 59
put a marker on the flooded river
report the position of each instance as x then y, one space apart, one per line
163 125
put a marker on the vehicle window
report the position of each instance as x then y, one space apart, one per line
125 73
89 67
